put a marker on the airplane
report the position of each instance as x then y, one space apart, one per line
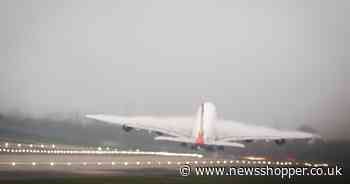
204 130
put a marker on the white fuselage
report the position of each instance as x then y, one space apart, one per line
203 130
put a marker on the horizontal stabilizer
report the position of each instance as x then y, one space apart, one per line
230 144
191 141
175 139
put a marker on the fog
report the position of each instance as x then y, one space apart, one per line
276 63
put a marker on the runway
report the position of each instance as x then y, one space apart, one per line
39 160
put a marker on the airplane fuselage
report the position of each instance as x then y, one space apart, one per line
204 130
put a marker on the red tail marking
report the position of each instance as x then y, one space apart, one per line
200 139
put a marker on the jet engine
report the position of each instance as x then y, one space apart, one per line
158 133
280 141
127 128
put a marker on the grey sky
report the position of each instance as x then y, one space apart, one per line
279 63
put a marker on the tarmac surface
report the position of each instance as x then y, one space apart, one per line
28 161
32 166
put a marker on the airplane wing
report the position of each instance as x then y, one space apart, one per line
236 131
174 126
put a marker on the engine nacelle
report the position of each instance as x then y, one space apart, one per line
158 133
127 128
280 141
248 140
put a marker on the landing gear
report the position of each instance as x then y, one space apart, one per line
221 148
210 148
196 147
183 144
